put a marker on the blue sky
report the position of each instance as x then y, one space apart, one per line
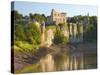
45 8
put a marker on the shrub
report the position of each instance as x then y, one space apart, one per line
60 38
33 34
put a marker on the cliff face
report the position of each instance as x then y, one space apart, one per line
75 32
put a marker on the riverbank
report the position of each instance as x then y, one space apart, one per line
62 57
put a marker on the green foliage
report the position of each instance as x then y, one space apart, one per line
26 37
60 38
53 27
31 68
90 31
23 46
93 20
19 33
38 17
59 59
33 34
17 17
61 26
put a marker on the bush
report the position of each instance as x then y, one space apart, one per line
60 38
24 45
90 33
19 33
33 34
26 37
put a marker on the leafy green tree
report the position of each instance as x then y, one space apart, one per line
17 17
90 31
60 38
19 33
33 34
61 26
37 17
93 20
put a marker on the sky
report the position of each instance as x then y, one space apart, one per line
45 8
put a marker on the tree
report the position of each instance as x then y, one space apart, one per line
37 17
19 33
31 16
60 38
90 31
33 34
93 20
17 16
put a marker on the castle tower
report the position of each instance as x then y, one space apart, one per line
58 17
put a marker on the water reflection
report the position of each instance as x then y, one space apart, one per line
47 63
60 58
61 61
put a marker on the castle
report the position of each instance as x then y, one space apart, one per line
56 18
74 32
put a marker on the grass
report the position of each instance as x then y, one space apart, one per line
20 45
53 27
29 69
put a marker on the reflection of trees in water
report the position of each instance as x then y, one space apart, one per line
71 60
63 60
76 57
59 58
47 63
76 62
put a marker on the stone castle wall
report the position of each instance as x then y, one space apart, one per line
56 17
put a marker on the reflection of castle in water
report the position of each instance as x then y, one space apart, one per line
73 60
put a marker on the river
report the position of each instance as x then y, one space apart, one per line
62 58
69 58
